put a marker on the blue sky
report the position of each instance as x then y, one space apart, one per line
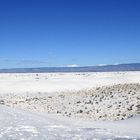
38 33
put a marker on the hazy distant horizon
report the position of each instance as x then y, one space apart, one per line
99 68
71 66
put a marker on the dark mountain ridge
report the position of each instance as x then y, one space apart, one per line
105 68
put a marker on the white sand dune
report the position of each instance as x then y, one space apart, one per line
21 124
53 82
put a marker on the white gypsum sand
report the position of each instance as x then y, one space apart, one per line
83 97
54 82
116 102
18 125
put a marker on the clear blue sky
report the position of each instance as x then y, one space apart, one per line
36 33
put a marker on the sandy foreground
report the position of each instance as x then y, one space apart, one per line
70 105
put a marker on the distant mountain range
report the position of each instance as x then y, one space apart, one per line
105 68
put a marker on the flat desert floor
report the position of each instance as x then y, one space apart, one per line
74 106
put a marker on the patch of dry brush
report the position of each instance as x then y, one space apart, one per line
116 102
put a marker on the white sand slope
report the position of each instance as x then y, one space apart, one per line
23 89
21 125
